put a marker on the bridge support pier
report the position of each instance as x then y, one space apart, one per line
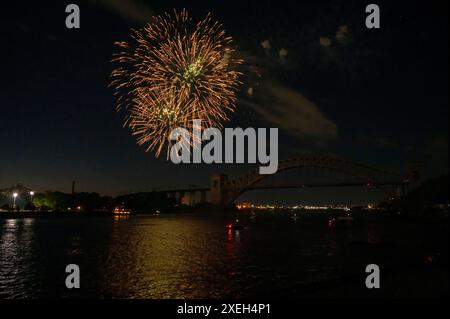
179 197
191 198
218 189
203 197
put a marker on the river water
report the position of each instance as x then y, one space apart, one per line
195 256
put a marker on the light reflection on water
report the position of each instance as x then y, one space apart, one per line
184 256
17 273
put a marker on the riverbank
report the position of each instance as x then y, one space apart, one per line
52 214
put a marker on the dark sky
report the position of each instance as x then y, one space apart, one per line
379 97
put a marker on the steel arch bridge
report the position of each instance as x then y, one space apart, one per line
226 191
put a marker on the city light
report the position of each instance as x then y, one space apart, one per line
244 206
14 202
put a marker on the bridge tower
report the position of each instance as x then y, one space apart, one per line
413 174
219 193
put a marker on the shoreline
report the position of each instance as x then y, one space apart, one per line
425 219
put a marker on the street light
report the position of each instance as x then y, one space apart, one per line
15 196
31 197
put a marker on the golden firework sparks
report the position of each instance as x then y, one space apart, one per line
172 72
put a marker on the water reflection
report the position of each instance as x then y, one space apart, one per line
186 256
121 218
17 273
151 257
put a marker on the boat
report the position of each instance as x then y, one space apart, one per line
121 210
348 218
235 226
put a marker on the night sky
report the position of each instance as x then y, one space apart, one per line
379 97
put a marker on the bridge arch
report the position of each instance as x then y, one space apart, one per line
234 188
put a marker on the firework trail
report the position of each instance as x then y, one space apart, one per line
172 72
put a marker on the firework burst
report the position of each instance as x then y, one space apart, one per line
172 72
